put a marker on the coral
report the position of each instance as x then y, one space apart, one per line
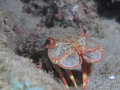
15 72
16 84
19 73
7 35
36 88
63 13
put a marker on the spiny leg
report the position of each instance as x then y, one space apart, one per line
71 77
46 62
84 74
57 68
89 68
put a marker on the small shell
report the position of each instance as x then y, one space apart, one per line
111 77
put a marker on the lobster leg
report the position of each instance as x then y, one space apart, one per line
57 68
89 68
71 77
47 63
84 74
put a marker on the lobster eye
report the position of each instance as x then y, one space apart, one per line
50 41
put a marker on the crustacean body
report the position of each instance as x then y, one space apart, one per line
83 52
